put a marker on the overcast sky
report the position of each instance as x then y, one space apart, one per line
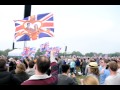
85 28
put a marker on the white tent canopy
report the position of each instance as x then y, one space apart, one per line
15 52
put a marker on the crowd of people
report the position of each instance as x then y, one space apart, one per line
59 71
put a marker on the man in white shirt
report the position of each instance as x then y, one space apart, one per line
114 77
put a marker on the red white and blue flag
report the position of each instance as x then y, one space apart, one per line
25 51
56 49
44 47
32 52
29 52
34 27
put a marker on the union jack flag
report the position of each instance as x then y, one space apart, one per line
44 47
32 52
26 51
29 52
34 27
56 49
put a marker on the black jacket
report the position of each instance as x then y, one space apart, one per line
22 76
7 78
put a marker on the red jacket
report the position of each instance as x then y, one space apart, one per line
44 79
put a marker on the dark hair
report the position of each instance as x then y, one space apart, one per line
59 57
2 63
43 64
81 60
56 59
31 64
107 66
113 66
65 68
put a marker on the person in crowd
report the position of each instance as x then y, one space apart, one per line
72 66
12 64
104 72
84 66
81 62
97 60
87 69
64 61
60 63
67 61
114 77
77 65
94 70
20 72
89 80
30 70
41 67
65 79
118 62
26 61
6 78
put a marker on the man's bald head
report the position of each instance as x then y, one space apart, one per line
43 64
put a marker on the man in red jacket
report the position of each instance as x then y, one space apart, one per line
41 67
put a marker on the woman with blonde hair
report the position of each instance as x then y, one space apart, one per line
94 70
89 80
20 72
87 69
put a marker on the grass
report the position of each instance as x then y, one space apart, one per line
79 77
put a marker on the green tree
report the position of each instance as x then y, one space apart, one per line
77 53
61 54
5 52
91 54
1 52
100 54
114 54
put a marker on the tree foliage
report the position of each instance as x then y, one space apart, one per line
77 53
5 52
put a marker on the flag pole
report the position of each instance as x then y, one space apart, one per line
13 46
65 51
27 12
